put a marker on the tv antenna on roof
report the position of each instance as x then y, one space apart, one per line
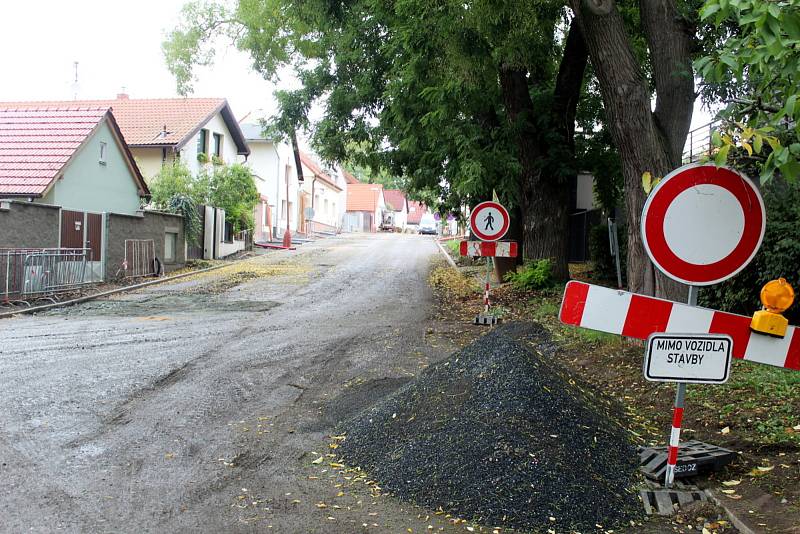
75 81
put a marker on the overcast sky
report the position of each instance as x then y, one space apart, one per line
117 44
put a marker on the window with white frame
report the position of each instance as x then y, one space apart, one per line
103 151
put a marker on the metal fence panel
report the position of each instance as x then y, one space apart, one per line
31 273
140 258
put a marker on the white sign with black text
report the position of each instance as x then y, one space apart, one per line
694 358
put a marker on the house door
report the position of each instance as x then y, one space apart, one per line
94 236
72 229
85 230
301 227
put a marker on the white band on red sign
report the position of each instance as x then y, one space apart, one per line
498 249
702 224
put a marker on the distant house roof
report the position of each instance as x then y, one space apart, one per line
37 143
363 197
395 198
317 170
415 211
159 122
349 178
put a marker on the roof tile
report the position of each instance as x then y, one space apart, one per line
363 197
143 122
36 142
395 198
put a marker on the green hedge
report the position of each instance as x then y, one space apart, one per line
779 257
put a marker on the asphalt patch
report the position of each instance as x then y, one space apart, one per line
499 434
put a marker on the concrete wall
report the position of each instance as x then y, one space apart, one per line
88 185
146 225
27 225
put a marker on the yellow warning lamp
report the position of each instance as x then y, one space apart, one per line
776 296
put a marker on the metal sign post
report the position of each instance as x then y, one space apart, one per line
613 241
489 222
486 304
677 415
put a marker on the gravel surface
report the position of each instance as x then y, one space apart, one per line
498 434
192 406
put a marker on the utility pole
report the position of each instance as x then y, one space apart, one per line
287 236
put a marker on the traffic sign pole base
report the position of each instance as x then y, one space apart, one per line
694 458
486 320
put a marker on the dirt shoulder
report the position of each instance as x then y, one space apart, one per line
756 414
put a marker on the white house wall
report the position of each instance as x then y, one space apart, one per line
215 124
150 160
328 202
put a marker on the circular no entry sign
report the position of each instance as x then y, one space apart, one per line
489 221
702 224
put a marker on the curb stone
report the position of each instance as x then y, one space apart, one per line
446 255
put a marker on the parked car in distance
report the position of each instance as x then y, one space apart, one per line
427 224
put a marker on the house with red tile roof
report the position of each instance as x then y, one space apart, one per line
199 131
365 207
324 192
349 178
70 156
415 212
397 203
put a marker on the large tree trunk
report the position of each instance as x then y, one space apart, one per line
646 141
544 198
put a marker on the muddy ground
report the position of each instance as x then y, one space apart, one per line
199 406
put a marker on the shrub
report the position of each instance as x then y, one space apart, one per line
779 257
534 274
234 189
184 205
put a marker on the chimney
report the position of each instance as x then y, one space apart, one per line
122 96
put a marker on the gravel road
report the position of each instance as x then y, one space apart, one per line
198 406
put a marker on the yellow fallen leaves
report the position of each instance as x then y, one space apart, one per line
760 470
318 460
731 482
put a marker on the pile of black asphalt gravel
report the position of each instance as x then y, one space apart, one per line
500 435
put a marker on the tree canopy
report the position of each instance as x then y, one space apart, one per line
754 70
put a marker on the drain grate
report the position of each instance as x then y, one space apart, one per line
666 501
694 458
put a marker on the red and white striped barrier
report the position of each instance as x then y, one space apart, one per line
638 316
498 249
